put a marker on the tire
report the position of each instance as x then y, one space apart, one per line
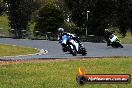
64 49
84 54
72 51
121 46
117 45
83 51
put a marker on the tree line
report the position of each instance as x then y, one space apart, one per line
48 15
103 14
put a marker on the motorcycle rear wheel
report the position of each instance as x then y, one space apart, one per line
84 54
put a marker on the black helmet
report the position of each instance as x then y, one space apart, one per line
111 36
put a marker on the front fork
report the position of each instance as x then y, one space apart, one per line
75 44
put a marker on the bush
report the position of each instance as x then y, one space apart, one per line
19 14
49 19
70 27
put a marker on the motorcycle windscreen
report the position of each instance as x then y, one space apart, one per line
64 39
113 38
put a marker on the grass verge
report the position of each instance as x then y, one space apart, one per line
61 73
12 50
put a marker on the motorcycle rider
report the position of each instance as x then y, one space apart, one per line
69 35
60 32
107 34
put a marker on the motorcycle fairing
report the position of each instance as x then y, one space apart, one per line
75 43
113 38
65 38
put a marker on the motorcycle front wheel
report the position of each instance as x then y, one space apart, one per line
72 50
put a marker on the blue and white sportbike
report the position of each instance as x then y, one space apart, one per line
71 45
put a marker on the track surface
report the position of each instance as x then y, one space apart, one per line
54 49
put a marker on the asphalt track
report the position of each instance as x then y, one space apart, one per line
55 50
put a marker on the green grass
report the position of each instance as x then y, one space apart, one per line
4 26
62 74
126 40
10 50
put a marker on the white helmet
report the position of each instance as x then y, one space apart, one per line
61 30
106 30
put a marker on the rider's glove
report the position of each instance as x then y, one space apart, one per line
60 41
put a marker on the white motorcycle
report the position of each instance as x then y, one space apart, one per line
72 46
115 42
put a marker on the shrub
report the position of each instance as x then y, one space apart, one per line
49 19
